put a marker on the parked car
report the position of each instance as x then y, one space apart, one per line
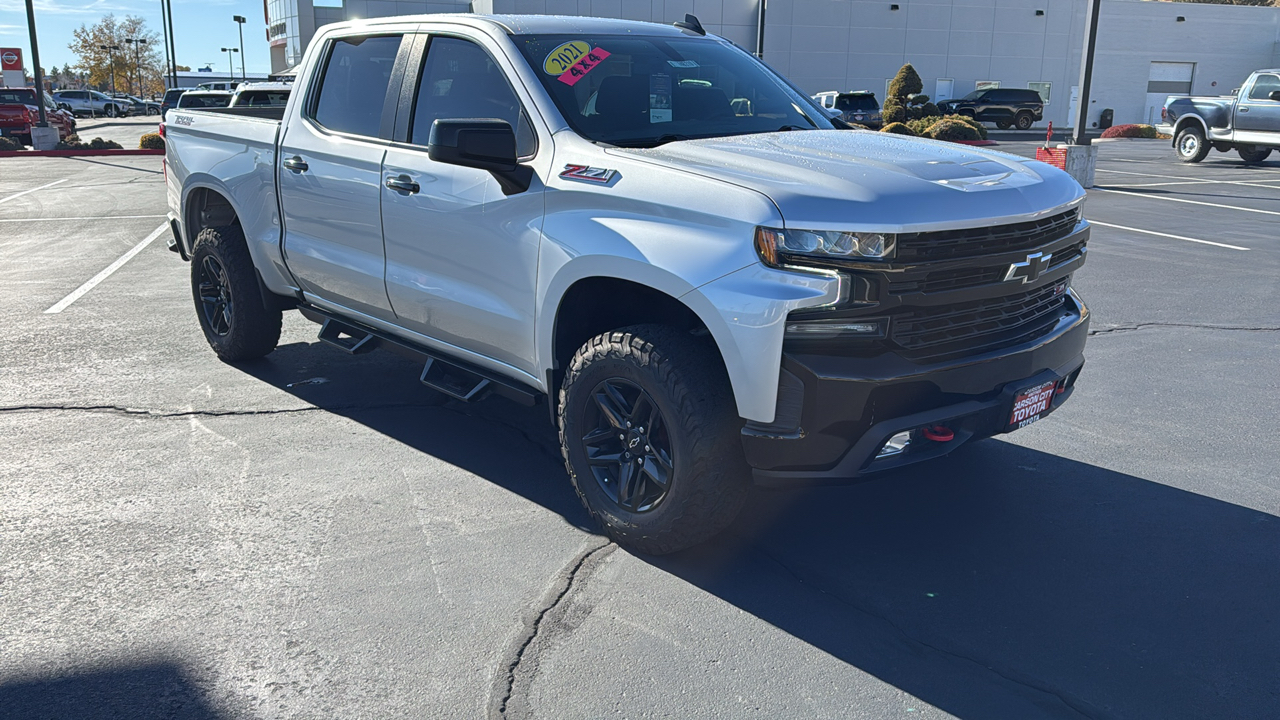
92 102
170 100
701 297
192 99
266 94
1247 121
138 106
19 113
1006 107
859 106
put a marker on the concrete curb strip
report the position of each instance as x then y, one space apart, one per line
75 153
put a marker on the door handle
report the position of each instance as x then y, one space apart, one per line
295 164
403 184
1243 109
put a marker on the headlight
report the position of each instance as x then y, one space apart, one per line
780 247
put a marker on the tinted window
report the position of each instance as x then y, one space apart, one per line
460 80
864 103
354 87
17 97
263 98
192 100
1264 86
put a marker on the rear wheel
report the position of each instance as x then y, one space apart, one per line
224 285
1191 145
1252 154
1023 121
1003 124
650 437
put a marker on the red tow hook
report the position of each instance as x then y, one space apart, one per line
939 433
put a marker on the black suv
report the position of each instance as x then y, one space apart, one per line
1005 107
170 100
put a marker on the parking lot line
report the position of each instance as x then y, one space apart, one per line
106 272
1189 202
1167 235
1180 177
80 219
27 192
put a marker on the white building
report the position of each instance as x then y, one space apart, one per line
1145 52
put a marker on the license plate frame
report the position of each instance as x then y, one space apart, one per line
1031 404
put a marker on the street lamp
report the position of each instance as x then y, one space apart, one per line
111 59
137 62
231 69
239 20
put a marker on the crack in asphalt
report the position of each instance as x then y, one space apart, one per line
552 617
1195 326
1081 707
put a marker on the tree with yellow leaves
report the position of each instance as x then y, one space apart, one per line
102 50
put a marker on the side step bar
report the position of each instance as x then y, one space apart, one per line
456 378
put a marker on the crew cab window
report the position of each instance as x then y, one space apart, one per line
460 80
857 103
17 97
1264 86
353 89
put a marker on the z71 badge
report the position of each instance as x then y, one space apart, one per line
589 174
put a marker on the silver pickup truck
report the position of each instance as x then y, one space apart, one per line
1247 122
648 230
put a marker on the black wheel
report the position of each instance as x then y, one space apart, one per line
228 301
1191 145
153 111
1252 154
1003 124
1023 121
110 111
650 436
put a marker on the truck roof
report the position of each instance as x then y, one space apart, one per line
534 24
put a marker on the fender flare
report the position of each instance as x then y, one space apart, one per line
1187 119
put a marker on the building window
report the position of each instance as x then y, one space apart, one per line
1043 88
986 85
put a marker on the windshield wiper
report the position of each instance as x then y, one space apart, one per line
786 128
651 143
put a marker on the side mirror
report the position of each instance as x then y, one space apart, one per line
1275 95
482 144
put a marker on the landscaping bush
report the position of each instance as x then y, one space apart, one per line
100 144
8 143
967 120
946 129
921 126
1130 131
891 112
151 141
898 128
73 142
904 101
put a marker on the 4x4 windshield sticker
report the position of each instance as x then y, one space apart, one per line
584 65
563 57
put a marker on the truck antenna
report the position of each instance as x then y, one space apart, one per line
691 24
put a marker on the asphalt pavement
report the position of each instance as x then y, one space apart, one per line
310 536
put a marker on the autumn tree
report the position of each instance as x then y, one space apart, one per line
99 63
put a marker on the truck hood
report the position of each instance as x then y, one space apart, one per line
859 180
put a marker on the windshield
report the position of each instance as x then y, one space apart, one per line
973 95
855 103
191 100
644 91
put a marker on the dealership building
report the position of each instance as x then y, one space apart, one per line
1146 51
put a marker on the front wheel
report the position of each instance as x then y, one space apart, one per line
1023 121
110 111
1003 124
650 436
228 301
1191 145
1252 154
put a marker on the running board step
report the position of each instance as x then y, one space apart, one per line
454 381
350 340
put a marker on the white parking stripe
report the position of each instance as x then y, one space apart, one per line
1189 202
1180 177
1160 184
106 272
27 192
1167 235
81 219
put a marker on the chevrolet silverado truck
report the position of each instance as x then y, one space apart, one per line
1247 122
648 230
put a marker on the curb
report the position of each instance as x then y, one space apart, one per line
75 153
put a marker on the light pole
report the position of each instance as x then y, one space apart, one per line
173 45
35 58
137 62
111 60
239 20
231 68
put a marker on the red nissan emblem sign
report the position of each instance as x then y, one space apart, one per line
12 58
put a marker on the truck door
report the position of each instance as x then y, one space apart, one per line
461 256
330 169
1257 115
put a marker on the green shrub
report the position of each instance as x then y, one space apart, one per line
1130 131
100 144
8 144
922 126
946 129
897 128
930 110
971 122
151 141
906 83
891 112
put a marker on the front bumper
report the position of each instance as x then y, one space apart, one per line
847 408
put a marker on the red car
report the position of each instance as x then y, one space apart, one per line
18 112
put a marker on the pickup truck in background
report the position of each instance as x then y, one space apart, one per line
651 232
1247 122
18 114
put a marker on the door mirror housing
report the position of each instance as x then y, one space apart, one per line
483 144
1275 95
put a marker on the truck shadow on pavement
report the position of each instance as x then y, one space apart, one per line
1003 582
159 690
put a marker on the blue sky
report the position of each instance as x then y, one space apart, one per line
201 27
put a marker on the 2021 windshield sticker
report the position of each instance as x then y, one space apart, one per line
563 57
584 65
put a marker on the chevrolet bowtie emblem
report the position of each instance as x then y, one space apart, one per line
1030 269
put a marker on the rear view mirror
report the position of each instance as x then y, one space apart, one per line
482 144
1275 95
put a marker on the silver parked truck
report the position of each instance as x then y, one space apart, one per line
708 282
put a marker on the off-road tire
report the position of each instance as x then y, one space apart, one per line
1252 154
1024 121
1190 145
253 330
684 377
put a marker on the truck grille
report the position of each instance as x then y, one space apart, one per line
973 242
978 326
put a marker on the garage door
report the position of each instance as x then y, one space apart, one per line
1171 78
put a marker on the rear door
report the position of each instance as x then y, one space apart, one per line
329 170
1257 115
461 255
